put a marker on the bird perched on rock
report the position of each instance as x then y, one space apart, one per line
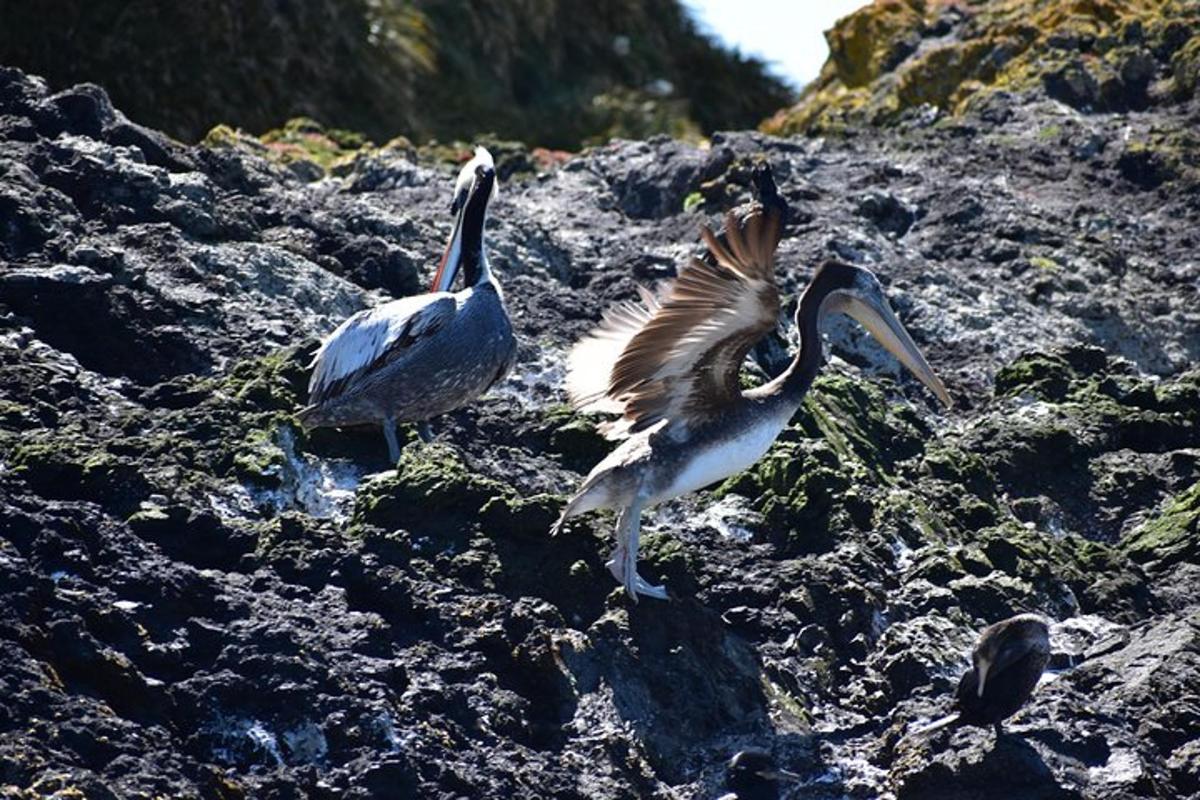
670 365
753 775
421 356
1007 662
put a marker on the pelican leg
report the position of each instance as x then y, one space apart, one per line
389 433
618 563
424 431
623 565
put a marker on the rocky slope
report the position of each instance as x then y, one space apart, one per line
893 57
199 600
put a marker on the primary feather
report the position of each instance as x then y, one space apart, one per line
591 360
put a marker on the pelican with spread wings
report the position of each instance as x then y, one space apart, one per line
669 366
421 356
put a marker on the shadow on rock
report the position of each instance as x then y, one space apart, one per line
676 674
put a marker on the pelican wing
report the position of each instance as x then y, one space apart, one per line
590 363
374 337
679 359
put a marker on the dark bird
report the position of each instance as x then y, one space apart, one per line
753 775
1008 660
421 356
670 365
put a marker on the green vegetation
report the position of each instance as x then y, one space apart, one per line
1094 54
554 73
430 482
1172 536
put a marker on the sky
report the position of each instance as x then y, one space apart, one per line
787 34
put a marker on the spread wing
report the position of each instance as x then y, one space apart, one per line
590 363
374 337
679 358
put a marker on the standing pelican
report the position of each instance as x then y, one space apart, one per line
670 366
417 357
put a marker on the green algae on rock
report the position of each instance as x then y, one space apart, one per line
431 481
1172 536
895 55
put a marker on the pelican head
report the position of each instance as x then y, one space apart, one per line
473 190
856 292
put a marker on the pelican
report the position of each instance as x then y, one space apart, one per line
1007 661
669 365
421 356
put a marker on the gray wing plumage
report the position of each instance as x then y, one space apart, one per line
374 337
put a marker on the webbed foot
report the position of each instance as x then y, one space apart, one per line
623 566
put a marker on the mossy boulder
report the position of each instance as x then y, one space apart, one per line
304 139
846 435
510 515
1045 376
1185 68
260 458
665 557
431 482
872 40
1057 453
1170 537
276 382
864 429
1096 55
68 467
575 438
198 536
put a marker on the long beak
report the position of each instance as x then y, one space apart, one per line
881 322
447 269
982 669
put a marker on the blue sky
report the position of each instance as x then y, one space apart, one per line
785 33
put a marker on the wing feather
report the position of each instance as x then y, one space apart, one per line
373 337
680 359
591 360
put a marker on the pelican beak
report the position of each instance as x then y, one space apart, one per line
447 269
475 187
881 322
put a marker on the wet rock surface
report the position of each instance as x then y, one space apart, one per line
199 600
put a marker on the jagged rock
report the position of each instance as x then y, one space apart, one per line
199 599
888 59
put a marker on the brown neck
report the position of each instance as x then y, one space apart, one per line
794 383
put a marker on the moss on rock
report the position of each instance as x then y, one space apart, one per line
1172 536
304 139
895 55
70 466
1043 375
575 437
275 382
846 436
430 482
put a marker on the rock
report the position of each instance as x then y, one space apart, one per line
197 598
890 213
890 59
1074 85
